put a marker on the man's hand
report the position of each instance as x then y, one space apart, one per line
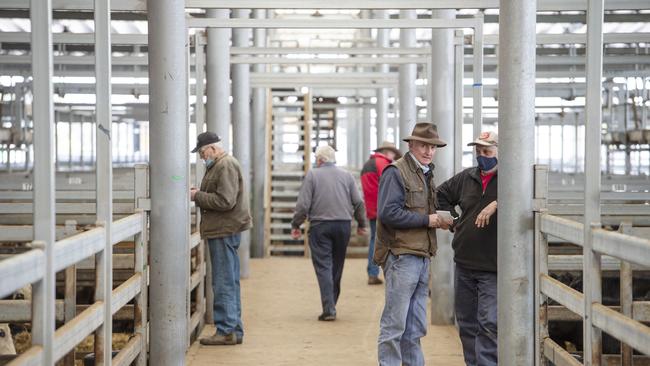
483 218
436 221
193 191
361 231
295 233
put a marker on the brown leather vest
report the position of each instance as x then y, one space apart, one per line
417 241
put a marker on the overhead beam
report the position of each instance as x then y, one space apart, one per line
332 23
140 5
491 39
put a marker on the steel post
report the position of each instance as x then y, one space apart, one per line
218 78
364 126
477 72
104 174
458 103
591 283
169 254
441 109
259 148
383 38
43 309
241 125
407 76
516 168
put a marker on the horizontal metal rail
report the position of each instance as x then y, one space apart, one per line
20 270
130 351
64 208
619 326
562 228
76 195
76 248
558 355
20 311
625 247
563 294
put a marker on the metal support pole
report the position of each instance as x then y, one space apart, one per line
218 78
626 296
141 244
541 264
350 131
458 103
259 148
477 72
591 283
383 38
71 117
199 171
407 76
441 109
241 125
43 308
57 117
169 194
517 120
81 141
365 133
104 173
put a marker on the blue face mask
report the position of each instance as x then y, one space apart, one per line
486 164
208 162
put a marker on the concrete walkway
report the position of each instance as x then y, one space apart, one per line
280 306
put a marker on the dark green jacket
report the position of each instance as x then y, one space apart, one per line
223 200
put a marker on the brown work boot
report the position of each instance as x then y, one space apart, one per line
374 280
220 340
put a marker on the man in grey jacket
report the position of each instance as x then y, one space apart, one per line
223 202
328 197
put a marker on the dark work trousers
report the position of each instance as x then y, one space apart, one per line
476 314
328 241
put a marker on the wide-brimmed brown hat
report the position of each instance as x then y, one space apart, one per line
387 145
486 139
427 133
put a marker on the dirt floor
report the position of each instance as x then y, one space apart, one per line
280 305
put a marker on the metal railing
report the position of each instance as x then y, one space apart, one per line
66 254
626 249
75 252
28 268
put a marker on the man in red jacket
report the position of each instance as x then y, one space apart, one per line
385 154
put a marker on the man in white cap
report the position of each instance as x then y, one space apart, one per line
475 251
328 198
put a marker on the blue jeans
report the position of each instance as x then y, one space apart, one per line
225 285
373 269
404 320
476 314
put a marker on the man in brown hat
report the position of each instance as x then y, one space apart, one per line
385 154
223 202
475 251
406 241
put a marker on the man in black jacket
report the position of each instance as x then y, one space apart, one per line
475 251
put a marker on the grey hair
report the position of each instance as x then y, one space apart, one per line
326 154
